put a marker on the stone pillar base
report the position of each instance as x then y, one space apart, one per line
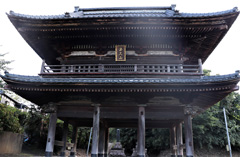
72 154
117 150
48 154
62 154
100 155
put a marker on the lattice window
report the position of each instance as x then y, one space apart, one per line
119 68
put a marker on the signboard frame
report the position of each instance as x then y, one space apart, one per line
120 53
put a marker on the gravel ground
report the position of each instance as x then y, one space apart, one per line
33 151
205 153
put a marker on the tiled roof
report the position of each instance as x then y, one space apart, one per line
124 13
39 79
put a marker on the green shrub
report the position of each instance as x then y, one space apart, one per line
11 119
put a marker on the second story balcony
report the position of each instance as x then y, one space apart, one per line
122 70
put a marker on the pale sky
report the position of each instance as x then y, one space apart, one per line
224 59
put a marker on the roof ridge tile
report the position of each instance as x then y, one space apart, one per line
39 79
110 14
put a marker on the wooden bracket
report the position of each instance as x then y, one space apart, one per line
49 108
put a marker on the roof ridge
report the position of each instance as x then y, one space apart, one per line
125 13
172 7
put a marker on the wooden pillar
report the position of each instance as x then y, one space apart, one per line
188 135
64 138
51 135
101 144
74 141
179 140
95 139
141 132
173 141
106 141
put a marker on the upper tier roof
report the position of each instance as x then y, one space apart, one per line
125 12
193 36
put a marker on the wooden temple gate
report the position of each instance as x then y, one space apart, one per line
124 67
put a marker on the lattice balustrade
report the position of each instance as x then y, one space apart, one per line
121 69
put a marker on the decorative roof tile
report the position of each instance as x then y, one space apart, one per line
39 79
106 13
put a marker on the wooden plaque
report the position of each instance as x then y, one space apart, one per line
120 53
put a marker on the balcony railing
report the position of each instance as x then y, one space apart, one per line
123 69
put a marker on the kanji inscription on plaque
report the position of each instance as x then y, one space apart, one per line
120 53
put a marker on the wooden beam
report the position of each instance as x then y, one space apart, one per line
161 115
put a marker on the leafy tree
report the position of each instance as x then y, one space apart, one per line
206 72
113 135
156 140
37 126
3 65
128 138
84 133
11 119
209 127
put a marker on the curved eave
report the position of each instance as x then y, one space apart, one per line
124 14
206 80
21 20
209 89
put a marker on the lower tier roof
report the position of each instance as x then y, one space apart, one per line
164 99
13 78
30 87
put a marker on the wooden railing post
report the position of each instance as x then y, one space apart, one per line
71 70
63 68
168 68
180 68
101 68
135 68
200 66
43 67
